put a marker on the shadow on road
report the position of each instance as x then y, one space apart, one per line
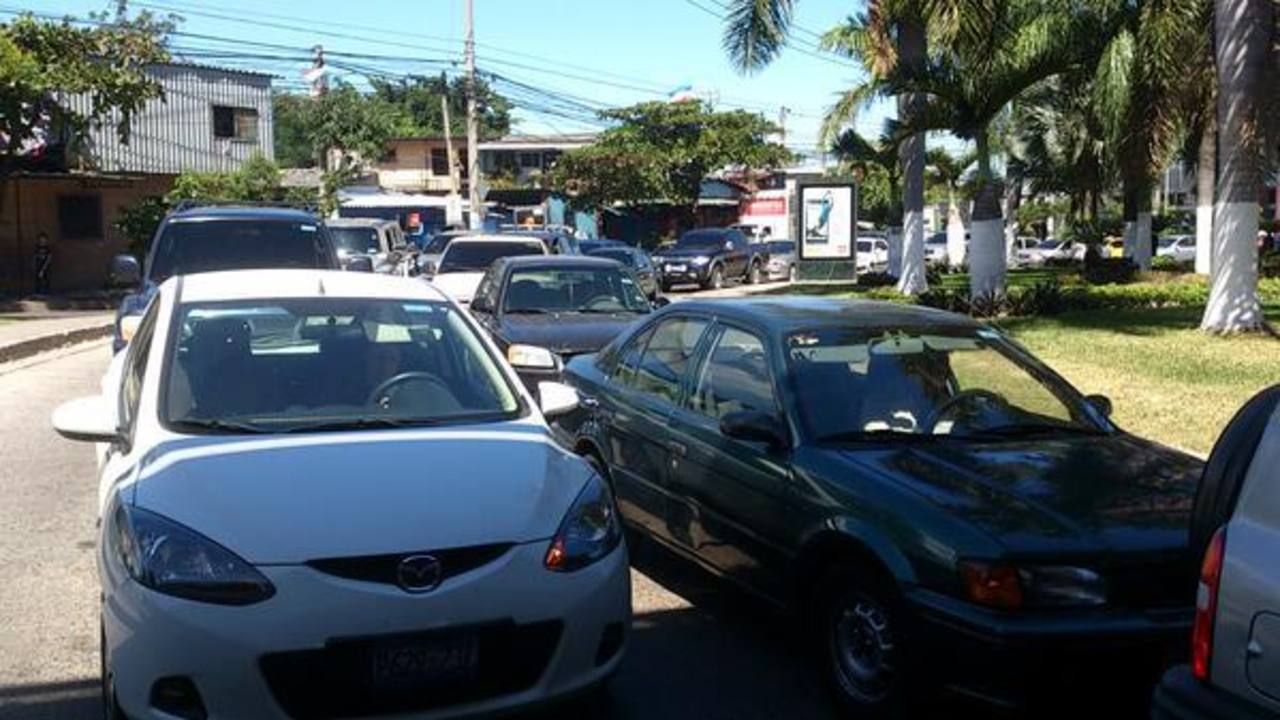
56 701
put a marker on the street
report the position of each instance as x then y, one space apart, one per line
697 650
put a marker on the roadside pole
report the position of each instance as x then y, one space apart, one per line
473 130
453 211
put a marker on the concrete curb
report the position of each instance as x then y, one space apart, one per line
45 343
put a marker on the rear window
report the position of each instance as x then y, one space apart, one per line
356 240
622 256
187 247
478 256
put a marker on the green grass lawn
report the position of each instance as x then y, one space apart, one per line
1167 380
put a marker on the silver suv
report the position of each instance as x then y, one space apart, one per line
1235 646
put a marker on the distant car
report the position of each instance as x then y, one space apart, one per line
872 254
589 246
1113 248
639 262
1233 673
1181 248
783 260
467 259
330 496
197 238
935 249
382 241
544 310
708 257
1020 252
939 506
558 243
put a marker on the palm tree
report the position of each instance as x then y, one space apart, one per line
1243 31
862 158
946 171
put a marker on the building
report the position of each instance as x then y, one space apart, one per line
210 120
421 164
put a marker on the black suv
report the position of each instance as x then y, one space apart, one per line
708 257
193 239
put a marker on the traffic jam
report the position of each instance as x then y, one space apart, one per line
347 471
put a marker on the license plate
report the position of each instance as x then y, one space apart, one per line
676 268
417 663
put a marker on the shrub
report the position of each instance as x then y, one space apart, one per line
1270 265
876 279
1108 271
1168 264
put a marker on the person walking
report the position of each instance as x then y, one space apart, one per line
43 262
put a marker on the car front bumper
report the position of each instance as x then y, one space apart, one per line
1046 660
232 654
1181 697
684 273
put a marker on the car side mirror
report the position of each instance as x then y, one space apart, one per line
1101 403
754 426
661 301
556 399
480 304
125 272
87 419
358 263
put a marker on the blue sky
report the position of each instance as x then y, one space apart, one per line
610 52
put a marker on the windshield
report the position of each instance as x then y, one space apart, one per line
573 290
967 383
781 247
623 256
187 247
864 246
328 363
478 256
701 240
1049 244
355 240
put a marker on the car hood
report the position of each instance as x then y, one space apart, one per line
1090 493
460 286
288 499
678 253
564 333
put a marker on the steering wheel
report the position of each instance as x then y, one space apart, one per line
600 300
381 395
974 395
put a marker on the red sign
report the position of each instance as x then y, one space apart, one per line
765 206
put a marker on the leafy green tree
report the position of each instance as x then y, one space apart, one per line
293 146
39 60
874 164
662 152
355 125
419 99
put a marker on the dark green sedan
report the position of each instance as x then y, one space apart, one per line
941 508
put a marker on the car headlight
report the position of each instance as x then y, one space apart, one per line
530 356
700 260
162 555
129 326
1010 587
589 531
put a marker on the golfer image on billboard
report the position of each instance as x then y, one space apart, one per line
817 218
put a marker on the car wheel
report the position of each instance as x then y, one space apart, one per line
110 707
715 279
753 274
793 274
863 643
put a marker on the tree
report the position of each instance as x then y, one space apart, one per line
875 166
41 60
419 99
1244 31
946 172
353 125
662 152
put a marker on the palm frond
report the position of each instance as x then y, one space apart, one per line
755 32
846 108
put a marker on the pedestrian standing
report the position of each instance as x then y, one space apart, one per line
43 262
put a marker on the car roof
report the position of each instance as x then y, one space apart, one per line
557 261
786 314
243 212
359 222
482 238
272 284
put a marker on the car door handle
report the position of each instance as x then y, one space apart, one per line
677 448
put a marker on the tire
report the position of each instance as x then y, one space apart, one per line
753 274
715 279
793 273
862 639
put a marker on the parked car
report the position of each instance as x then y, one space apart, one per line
708 257
1051 249
382 241
639 263
1181 248
941 506
1114 248
935 249
203 238
270 545
872 254
1021 251
1233 671
466 260
544 310
783 261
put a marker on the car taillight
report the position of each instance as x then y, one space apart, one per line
1207 605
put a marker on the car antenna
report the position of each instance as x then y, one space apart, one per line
320 282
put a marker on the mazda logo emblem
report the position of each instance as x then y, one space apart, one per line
418 573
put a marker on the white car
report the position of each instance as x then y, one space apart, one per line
467 258
1182 248
872 254
935 249
1050 249
329 495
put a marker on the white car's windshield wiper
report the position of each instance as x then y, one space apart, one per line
362 423
232 427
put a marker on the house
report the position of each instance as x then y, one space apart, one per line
718 204
210 120
421 164
524 158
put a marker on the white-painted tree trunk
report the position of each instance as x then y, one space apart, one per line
1130 238
1142 241
1233 292
1205 177
1204 237
912 281
956 251
986 259
894 239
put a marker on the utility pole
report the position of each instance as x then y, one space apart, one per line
453 210
783 112
473 130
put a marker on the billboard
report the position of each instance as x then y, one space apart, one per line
827 221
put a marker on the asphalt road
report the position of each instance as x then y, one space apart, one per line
698 650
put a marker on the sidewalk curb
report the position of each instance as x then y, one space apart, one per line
45 343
